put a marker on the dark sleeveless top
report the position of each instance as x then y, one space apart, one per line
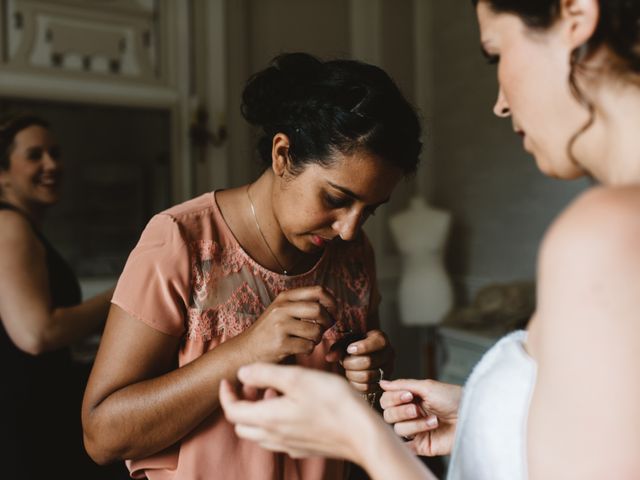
41 395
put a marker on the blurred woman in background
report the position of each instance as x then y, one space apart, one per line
41 315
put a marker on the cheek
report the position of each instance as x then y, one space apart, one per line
303 214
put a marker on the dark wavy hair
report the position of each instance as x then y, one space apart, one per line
326 107
618 29
10 126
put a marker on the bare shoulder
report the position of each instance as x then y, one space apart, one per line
590 259
585 406
15 230
599 227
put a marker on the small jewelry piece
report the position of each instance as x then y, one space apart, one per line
370 397
255 217
381 374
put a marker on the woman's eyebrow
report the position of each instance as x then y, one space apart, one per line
351 194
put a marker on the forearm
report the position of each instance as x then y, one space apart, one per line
71 324
383 455
149 416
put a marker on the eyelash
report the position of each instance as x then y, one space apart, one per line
335 202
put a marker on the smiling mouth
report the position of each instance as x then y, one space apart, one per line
48 182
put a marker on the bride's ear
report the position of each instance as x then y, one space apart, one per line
580 20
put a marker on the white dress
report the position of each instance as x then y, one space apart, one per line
491 433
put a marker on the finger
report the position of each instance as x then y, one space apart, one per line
371 361
412 428
250 432
277 447
299 346
236 410
250 393
304 329
362 387
374 341
270 393
315 293
312 312
403 413
363 376
339 348
406 384
226 393
394 398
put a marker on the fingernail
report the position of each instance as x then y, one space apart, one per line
352 349
432 422
406 396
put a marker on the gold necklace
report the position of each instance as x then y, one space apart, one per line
255 217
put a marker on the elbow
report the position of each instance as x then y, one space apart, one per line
34 344
97 452
96 439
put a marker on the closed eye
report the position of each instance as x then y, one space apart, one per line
491 59
337 202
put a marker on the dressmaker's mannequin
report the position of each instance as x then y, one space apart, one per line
420 233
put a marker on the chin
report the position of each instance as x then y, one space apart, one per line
47 200
553 169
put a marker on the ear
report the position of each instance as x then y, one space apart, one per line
581 18
280 154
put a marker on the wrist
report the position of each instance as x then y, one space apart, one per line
363 446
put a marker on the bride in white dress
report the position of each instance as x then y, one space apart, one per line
562 399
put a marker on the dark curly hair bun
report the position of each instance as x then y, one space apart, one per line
328 107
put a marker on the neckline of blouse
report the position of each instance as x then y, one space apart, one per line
252 261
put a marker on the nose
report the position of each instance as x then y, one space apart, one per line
51 161
348 225
501 108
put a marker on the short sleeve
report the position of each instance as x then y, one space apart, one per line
154 285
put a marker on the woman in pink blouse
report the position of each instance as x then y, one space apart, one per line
278 271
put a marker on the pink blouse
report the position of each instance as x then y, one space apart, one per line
188 277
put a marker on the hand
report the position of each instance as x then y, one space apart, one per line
294 323
365 360
317 413
426 411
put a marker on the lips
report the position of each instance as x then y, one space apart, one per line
319 241
49 182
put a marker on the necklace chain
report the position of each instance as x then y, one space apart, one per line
264 239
